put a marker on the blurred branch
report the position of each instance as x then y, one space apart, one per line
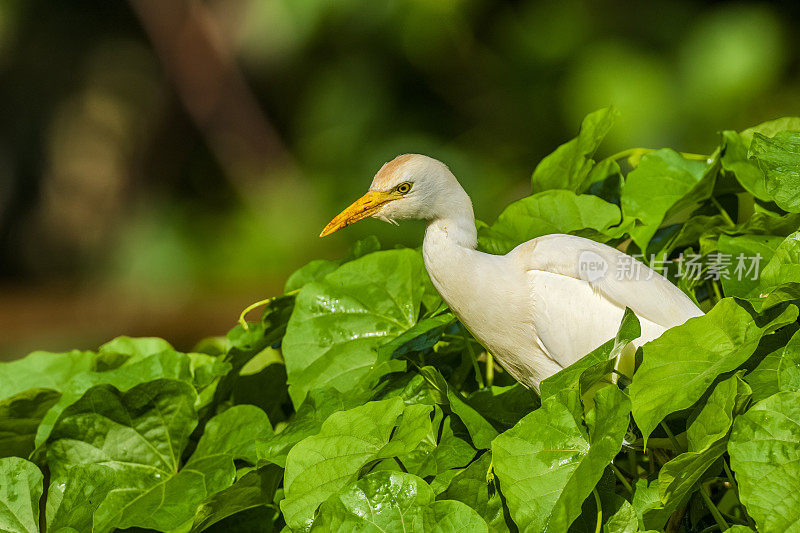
189 43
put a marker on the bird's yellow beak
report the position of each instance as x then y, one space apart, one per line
364 207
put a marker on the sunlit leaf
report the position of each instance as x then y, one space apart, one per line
339 323
765 456
682 363
20 490
394 501
664 184
121 452
569 166
779 158
320 465
707 435
548 464
551 212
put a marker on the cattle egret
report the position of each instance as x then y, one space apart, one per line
540 307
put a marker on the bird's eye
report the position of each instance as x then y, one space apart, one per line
403 188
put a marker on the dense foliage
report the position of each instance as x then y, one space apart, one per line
359 402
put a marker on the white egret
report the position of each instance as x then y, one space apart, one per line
540 307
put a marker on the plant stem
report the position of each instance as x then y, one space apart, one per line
730 476
243 320
722 211
631 153
621 478
733 519
672 438
599 525
695 157
402 466
633 466
489 369
715 287
735 487
243 314
478 375
723 525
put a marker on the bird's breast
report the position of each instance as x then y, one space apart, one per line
490 295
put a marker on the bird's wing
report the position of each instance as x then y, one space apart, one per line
615 275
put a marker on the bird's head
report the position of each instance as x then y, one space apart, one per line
410 186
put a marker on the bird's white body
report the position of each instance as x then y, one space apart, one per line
533 312
536 309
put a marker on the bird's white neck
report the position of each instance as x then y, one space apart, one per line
454 221
456 231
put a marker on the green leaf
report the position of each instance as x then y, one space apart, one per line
162 365
778 158
20 490
779 280
694 230
503 406
683 362
765 455
394 501
739 281
618 514
771 127
765 379
551 212
320 465
20 416
569 166
122 450
707 435
123 350
784 265
339 323
661 187
232 434
604 181
422 336
597 364
122 362
678 478
480 430
714 419
651 512
765 223
734 159
315 270
72 500
440 448
548 464
255 489
43 370
307 421
470 487
114 450
265 388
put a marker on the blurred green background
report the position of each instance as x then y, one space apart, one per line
164 163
